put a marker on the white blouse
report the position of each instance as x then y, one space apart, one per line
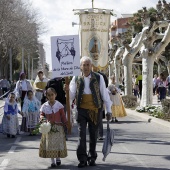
47 109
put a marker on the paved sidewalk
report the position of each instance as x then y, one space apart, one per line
146 116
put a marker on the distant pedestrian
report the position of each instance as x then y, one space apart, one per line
136 87
13 85
139 83
30 112
162 87
5 85
40 84
118 109
168 83
10 123
53 145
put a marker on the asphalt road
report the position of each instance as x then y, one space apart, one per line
138 145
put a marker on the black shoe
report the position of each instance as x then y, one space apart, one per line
100 138
92 162
13 136
58 162
53 165
8 135
112 121
116 120
82 164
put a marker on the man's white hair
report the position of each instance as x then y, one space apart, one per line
85 58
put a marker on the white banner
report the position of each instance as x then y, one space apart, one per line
94 37
65 54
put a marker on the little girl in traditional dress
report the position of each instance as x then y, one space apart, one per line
10 123
53 145
30 111
118 109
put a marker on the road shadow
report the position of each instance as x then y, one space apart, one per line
100 166
167 157
123 122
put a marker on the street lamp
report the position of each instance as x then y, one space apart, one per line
33 65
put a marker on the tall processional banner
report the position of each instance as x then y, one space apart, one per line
94 37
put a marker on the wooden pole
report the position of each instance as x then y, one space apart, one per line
68 106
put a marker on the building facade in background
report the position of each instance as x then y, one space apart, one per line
120 25
42 65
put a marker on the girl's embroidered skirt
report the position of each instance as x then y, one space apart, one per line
118 109
53 145
10 126
30 121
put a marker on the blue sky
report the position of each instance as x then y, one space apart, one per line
58 15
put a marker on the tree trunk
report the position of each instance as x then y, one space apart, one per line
29 73
128 57
117 71
147 77
22 59
128 76
117 62
10 64
159 68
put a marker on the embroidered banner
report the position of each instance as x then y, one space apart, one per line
94 37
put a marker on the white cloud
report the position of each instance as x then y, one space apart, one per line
58 15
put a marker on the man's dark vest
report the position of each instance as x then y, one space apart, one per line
94 87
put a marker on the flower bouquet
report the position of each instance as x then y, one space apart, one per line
37 128
45 127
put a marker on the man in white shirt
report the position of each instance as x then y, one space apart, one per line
90 92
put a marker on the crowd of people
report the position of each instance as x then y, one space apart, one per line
161 86
6 86
45 101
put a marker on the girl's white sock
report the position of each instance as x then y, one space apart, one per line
52 161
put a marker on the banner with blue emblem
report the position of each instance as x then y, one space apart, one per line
94 37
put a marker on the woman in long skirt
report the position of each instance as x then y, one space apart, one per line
118 109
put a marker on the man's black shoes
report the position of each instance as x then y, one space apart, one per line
53 165
92 162
100 138
82 164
